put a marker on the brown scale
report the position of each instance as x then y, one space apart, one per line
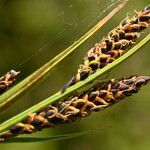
117 42
7 80
99 97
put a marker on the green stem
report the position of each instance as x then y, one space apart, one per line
7 98
55 137
58 96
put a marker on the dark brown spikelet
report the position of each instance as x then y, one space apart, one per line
7 80
99 97
114 45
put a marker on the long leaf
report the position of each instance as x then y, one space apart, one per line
7 98
52 138
4 126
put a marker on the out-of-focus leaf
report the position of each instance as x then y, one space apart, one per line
8 97
53 138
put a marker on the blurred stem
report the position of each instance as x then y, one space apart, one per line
58 96
8 97
55 137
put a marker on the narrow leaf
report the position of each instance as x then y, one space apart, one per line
4 126
52 138
7 98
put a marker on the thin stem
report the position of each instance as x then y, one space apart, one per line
7 98
4 126
55 137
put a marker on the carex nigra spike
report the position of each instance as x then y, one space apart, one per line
99 97
7 80
114 45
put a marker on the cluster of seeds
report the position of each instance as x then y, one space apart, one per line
117 42
99 97
7 80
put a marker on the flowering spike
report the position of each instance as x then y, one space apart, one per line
117 42
7 80
99 97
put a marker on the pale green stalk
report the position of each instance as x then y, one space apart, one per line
8 97
59 96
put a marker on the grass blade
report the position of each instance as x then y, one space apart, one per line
7 98
53 138
4 126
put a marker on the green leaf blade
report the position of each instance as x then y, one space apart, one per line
8 97
58 96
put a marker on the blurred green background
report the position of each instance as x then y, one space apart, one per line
34 31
